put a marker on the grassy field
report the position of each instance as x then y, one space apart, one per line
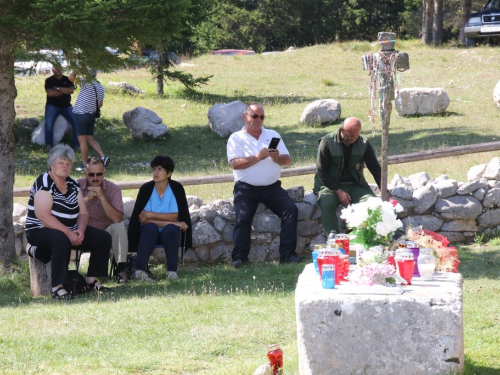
217 320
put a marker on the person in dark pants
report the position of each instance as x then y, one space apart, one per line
59 89
339 180
256 172
160 214
57 222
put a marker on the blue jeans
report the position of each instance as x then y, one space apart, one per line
246 199
51 113
150 236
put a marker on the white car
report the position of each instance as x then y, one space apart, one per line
31 67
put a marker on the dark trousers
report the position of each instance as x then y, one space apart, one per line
150 236
56 246
246 199
51 113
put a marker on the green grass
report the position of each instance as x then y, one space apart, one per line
216 320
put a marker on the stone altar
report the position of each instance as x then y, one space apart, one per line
417 332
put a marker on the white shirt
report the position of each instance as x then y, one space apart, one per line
85 102
262 173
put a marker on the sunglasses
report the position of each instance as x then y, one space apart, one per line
100 174
262 117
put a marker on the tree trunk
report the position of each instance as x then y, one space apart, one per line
8 94
466 11
427 11
437 23
159 76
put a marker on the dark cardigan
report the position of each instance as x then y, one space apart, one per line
142 199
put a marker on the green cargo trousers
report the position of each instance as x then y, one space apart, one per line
328 202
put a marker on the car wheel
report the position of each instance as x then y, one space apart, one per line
469 42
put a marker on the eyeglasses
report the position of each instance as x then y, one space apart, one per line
254 116
157 169
100 174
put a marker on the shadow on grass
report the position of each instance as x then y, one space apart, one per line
471 368
479 262
220 280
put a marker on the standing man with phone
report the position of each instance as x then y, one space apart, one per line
257 169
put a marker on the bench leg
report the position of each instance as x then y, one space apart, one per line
40 277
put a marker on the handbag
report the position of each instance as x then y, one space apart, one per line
97 109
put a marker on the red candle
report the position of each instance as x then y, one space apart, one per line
344 240
406 268
275 355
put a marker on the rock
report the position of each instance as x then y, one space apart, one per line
220 253
194 216
203 253
421 100
469 187
159 255
418 180
318 240
128 207
424 198
479 194
492 198
194 200
29 123
204 234
492 171
476 172
310 197
61 127
208 214
317 214
402 191
301 245
225 119
426 221
458 207
459 226
274 253
227 233
259 238
190 256
407 207
398 180
308 228
142 121
18 211
18 228
18 245
493 184
453 237
219 223
305 210
127 87
267 222
445 188
227 212
296 193
258 254
496 94
321 112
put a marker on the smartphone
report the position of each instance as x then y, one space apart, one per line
274 143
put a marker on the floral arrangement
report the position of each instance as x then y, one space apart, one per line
374 274
373 221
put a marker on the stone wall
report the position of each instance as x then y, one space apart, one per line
457 210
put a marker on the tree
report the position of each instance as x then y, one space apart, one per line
427 16
82 29
437 23
466 11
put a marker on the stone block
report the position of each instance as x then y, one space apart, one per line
418 180
476 172
492 198
492 171
421 100
419 332
220 253
305 210
267 222
424 198
458 207
258 254
402 191
204 233
208 214
296 193
426 221
469 187
453 237
445 188
308 228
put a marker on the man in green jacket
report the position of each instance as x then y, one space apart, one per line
339 179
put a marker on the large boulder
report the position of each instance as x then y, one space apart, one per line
225 119
422 101
458 207
496 94
127 87
142 121
61 127
321 112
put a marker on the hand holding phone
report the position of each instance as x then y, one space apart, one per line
274 143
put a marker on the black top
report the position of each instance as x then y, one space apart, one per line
62 101
142 199
64 207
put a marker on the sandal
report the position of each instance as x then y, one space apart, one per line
94 287
56 295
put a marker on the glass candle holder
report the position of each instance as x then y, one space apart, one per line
426 264
344 240
405 264
415 249
328 280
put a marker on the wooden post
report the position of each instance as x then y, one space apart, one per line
40 277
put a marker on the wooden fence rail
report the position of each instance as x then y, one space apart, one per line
299 171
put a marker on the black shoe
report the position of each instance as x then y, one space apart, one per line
291 259
56 295
238 263
94 287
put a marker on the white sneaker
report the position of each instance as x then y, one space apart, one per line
172 275
143 276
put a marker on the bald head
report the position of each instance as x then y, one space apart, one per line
350 130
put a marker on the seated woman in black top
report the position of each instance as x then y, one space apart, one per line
57 222
160 214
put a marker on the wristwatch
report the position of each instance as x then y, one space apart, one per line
57 88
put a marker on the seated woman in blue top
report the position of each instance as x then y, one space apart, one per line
160 214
